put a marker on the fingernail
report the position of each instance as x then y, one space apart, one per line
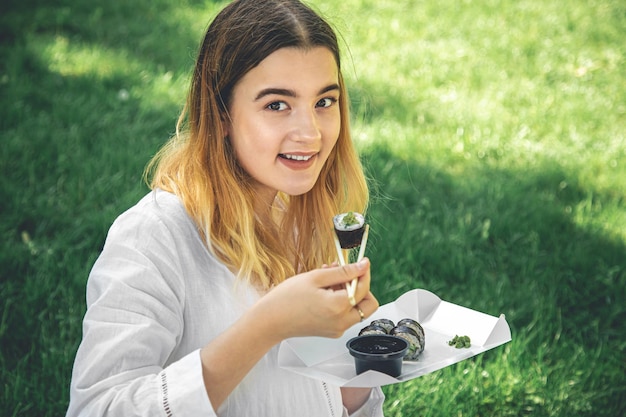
362 263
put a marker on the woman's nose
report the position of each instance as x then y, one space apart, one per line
306 127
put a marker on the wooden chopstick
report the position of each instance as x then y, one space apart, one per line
351 286
363 243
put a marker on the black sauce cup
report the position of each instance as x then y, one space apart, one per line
378 352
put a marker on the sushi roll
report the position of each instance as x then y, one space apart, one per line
372 329
349 228
385 324
408 334
419 330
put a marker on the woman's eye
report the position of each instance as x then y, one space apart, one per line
326 102
277 106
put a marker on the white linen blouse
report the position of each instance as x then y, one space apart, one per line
155 296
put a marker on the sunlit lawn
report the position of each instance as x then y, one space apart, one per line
494 134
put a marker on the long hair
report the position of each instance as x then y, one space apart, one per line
199 165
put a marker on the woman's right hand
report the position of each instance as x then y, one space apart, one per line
316 303
313 303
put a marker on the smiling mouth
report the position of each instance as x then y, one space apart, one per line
295 157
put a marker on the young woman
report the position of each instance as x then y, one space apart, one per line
228 255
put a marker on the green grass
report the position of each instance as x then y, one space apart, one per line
494 134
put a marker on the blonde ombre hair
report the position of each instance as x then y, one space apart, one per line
199 165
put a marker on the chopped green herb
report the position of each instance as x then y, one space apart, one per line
349 219
460 342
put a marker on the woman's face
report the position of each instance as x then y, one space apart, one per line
285 120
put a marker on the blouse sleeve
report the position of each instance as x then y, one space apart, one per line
373 407
134 320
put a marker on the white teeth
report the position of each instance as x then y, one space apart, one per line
297 157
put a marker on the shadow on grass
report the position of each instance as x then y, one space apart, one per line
500 241
72 156
506 242
151 30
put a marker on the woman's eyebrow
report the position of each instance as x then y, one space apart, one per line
328 88
290 93
275 91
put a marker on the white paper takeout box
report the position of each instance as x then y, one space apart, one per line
329 360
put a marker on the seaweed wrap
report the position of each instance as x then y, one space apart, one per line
419 330
408 334
349 228
372 329
384 323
